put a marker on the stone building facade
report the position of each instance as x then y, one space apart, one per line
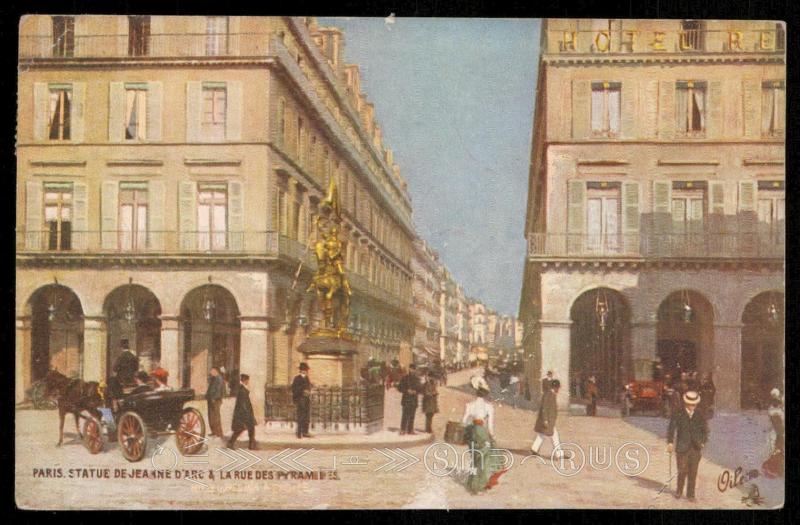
425 268
655 220
168 173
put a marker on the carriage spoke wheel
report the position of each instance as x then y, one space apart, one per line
132 436
93 436
191 432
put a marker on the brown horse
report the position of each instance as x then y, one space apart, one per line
73 396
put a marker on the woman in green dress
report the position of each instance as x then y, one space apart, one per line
487 464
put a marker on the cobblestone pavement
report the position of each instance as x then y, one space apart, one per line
391 478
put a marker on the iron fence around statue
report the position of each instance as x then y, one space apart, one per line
350 408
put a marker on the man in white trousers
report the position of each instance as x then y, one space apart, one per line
546 421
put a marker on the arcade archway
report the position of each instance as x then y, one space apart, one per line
599 343
211 334
685 333
56 332
763 349
133 317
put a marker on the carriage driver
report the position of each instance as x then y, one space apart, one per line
125 368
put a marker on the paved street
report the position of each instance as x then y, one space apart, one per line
390 479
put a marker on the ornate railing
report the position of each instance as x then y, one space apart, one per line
657 246
333 409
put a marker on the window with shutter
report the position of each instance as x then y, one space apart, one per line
58 215
33 215
133 214
773 108
576 197
606 108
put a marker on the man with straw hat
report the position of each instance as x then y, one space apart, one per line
687 435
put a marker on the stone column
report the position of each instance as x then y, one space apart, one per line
727 366
643 346
253 359
171 351
95 341
22 361
555 355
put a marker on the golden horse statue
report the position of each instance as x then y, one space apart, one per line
330 281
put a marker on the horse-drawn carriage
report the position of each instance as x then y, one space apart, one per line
138 417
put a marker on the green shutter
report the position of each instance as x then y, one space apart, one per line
576 215
33 215
80 223
666 109
109 211
236 216
41 111
714 110
77 113
628 106
154 108
233 118
751 99
116 112
747 195
156 197
194 95
187 209
630 199
581 109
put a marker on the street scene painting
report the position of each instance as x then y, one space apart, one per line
282 262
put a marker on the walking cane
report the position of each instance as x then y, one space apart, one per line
669 481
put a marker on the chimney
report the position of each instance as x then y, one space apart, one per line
376 137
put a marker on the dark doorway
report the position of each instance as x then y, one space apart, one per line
599 343
762 349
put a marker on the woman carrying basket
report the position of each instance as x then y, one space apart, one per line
487 466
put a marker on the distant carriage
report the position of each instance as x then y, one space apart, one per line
139 417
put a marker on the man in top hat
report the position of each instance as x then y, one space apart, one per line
126 365
687 435
410 387
301 395
243 416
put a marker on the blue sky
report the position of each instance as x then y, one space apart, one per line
454 99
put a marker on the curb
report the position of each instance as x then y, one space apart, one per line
319 443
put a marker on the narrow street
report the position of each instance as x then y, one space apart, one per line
406 483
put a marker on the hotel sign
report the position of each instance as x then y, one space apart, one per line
601 41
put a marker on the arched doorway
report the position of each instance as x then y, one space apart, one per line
211 331
685 333
133 315
56 332
763 349
599 343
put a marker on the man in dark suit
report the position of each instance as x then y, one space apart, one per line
687 435
410 387
546 421
243 416
301 395
214 394
126 365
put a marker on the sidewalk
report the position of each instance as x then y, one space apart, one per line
388 436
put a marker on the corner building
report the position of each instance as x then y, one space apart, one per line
168 173
655 219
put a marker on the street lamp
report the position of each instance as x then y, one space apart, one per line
130 310
602 309
687 311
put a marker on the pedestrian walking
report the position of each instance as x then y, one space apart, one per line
214 394
686 436
774 465
243 416
430 400
301 395
410 387
592 393
546 421
487 466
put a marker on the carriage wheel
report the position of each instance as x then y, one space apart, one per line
191 432
93 435
132 436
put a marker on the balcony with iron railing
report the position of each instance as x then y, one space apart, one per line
51 246
653 246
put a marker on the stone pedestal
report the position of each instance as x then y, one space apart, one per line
330 360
